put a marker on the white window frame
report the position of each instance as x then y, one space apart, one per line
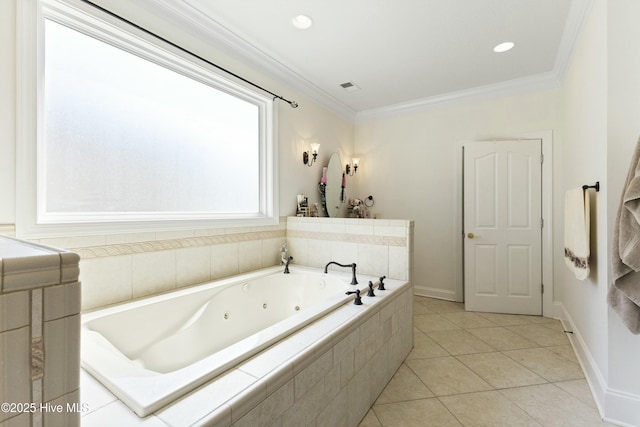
30 222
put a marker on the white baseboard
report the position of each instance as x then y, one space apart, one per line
424 291
615 406
622 408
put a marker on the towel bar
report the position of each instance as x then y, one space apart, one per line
597 186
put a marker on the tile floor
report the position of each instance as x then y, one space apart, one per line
482 369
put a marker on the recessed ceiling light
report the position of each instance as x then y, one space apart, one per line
503 47
301 22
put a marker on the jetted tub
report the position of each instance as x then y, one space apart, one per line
151 351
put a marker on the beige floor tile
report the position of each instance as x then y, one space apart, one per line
424 412
404 385
441 306
506 319
370 420
565 351
552 406
547 364
420 308
540 335
500 371
578 389
480 386
433 322
553 324
424 347
501 338
468 320
459 342
488 408
447 375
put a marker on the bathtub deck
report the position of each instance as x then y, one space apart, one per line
341 361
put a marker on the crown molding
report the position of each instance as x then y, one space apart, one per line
202 25
544 81
578 13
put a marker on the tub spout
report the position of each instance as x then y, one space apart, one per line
354 281
286 265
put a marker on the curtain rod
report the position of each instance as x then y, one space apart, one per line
293 104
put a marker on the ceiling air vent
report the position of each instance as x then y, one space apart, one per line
349 86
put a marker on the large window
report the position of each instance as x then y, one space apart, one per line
134 132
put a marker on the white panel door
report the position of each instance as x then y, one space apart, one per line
503 227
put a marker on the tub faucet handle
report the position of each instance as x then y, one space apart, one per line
370 292
358 300
381 284
286 265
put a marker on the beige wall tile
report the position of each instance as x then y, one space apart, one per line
14 310
249 255
319 253
61 357
61 301
106 280
299 249
193 265
153 272
373 259
224 260
271 251
15 352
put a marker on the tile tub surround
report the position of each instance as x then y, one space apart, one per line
378 246
329 373
39 335
120 267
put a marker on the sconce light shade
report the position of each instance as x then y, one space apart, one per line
355 162
315 148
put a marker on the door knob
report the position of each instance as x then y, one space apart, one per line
471 235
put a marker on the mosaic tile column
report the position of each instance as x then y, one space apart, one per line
39 335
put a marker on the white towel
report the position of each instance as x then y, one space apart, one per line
576 232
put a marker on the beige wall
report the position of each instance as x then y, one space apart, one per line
623 79
409 166
601 106
582 160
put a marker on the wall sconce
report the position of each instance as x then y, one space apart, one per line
355 162
315 147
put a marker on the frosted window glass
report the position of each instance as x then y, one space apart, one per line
125 135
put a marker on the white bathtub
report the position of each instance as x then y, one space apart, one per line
151 351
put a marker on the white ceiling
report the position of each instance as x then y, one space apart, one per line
401 52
